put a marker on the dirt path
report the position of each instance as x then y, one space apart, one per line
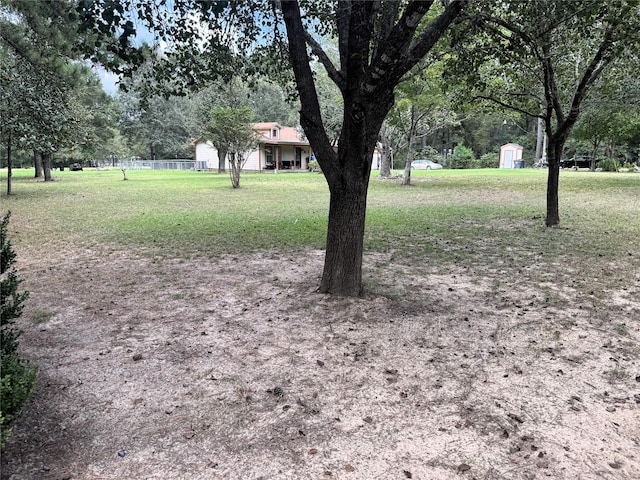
237 369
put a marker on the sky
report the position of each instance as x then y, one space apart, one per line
108 80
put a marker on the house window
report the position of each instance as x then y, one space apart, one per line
274 133
268 157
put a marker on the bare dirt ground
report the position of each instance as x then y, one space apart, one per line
152 368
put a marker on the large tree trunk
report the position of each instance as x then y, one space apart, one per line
348 188
9 166
37 164
342 273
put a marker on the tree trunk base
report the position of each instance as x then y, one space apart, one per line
342 273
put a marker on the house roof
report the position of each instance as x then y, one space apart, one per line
286 134
266 125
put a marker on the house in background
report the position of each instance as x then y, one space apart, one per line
511 156
279 148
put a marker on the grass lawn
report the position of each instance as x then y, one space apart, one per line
471 216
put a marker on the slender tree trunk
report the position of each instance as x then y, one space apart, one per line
9 166
554 153
37 164
46 166
406 180
222 160
539 136
592 163
235 165
385 154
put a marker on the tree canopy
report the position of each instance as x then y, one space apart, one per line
230 131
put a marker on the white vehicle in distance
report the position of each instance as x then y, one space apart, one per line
425 165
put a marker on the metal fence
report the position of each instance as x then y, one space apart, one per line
177 164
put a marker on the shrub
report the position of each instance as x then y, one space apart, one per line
463 158
609 165
490 160
17 376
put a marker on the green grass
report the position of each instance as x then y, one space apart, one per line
476 218
41 316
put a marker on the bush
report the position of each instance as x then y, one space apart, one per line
609 165
490 160
463 158
17 376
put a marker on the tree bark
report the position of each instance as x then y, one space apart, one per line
222 160
553 209
406 180
342 274
46 166
385 154
594 152
539 136
37 164
235 165
554 153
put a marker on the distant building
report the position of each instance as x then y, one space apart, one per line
511 156
279 148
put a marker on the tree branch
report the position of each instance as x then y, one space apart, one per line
317 50
310 113
359 40
505 105
397 56
343 14
389 13
433 32
594 69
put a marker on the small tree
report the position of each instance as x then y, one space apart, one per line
231 133
17 377
542 59
462 157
